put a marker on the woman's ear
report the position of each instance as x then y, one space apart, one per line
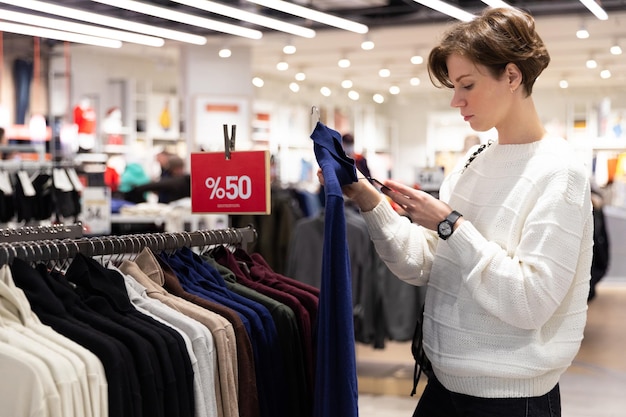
514 76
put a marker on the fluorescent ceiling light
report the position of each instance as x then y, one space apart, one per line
496 3
595 9
445 8
314 15
68 26
185 18
59 35
254 18
103 20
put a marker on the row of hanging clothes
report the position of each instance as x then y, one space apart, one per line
384 307
35 192
289 204
161 324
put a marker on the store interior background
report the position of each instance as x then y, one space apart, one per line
412 131
411 134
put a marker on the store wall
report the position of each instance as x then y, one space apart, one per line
204 77
97 72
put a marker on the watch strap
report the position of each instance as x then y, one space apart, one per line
451 219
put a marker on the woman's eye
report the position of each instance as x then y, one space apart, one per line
468 87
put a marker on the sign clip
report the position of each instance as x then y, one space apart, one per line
229 140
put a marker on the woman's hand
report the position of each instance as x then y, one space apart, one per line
361 192
421 207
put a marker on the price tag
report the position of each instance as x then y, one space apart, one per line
239 185
96 210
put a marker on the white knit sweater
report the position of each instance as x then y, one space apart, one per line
507 293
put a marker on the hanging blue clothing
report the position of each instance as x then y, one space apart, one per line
336 390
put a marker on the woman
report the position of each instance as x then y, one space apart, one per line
506 250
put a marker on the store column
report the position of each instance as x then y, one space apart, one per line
216 91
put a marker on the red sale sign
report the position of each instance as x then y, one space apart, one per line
238 185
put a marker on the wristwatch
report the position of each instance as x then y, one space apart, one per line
446 226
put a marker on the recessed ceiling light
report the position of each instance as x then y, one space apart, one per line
394 89
582 33
417 59
353 95
367 44
616 49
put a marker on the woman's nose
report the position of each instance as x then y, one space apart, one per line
457 101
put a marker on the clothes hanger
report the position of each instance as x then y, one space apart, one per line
315 117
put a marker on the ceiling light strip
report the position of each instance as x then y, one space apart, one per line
314 15
446 8
67 26
595 8
497 3
186 18
254 18
103 20
59 35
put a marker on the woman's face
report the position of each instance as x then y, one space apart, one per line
483 100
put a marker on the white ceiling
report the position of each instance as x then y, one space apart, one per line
395 45
400 28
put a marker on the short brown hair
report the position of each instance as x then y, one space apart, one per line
495 38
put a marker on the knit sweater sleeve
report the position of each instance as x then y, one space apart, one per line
407 249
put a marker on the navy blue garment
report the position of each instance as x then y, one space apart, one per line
336 390
200 278
22 77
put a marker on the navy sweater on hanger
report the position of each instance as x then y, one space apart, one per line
336 390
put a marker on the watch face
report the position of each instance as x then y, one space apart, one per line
445 229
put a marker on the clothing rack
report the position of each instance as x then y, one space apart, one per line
27 165
42 232
61 249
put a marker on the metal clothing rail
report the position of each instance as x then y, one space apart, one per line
30 233
61 249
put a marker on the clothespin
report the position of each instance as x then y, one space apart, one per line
229 140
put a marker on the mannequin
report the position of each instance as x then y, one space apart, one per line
85 119
112 126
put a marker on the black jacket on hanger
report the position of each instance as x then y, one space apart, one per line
104 289
123 382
